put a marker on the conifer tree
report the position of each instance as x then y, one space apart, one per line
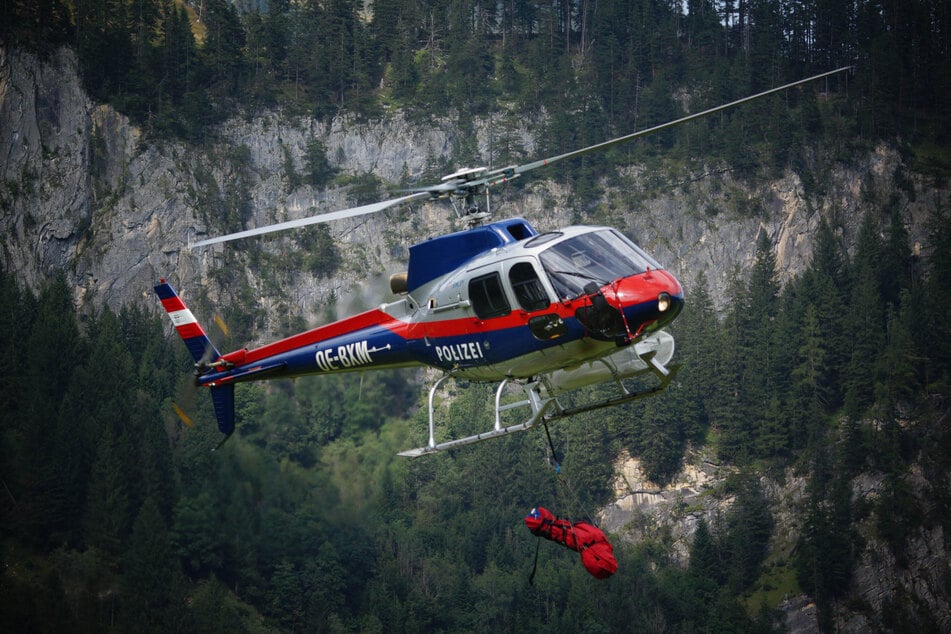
899 361
937 302
222 49
729 415
697 331
824 286
758 348
808 400
43 496
152 600
895 268
705 564
866 320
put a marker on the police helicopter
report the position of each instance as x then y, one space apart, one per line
538 314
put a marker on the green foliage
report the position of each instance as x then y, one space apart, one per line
179 69
152 575
306 521
317 169
827 545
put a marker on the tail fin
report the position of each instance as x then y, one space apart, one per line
202 350
191 332
223 398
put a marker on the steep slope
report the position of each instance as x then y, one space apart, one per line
84 190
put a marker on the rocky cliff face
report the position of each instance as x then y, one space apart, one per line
882 587
85 191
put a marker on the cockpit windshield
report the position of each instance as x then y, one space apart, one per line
600 256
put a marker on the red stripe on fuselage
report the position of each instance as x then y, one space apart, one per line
629 291
474 326
336 329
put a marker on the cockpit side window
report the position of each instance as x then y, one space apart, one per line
487 297
527 287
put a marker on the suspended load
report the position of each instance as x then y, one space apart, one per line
597 555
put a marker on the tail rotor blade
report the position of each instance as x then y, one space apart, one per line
185 418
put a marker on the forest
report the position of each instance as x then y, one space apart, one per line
115 517
180 66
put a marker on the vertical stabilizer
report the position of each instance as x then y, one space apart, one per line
191 332
202 351
223 398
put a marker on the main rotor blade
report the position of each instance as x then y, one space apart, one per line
465 182
311 220
627 137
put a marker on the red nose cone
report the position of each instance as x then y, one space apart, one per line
653 299
638 289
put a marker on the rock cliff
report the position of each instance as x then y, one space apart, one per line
86 191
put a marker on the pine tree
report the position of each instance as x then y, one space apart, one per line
937 302
108 512
152 588
729 415
746 541
43 496
824 286
895 267
705 564
758 348
808 396
196 534
866 320
824 553
104 46
899 362
698 348
222 50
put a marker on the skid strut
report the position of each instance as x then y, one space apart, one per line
538 404
542 407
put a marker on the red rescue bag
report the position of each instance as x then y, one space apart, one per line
597 555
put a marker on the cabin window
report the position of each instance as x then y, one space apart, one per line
487 297
528 288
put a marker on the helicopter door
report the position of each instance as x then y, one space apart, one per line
532 296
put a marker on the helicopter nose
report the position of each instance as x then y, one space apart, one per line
654 296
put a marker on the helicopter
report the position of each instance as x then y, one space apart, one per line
539 314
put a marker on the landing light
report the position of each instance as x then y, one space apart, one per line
663 302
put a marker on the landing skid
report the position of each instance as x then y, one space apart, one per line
542 409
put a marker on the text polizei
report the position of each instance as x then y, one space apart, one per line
460 352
